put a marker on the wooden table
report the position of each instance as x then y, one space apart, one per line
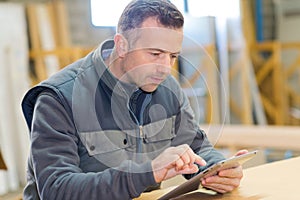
274 181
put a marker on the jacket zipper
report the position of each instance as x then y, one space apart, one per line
141 131
140 136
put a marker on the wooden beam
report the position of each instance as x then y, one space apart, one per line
39 65
246 136
76 52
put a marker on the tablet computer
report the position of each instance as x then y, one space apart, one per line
193 183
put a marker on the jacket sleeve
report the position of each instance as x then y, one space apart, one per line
55 161
189 132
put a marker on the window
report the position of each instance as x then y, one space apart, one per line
107 13
228 8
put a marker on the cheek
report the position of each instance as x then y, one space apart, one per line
140 73
133 61
138 64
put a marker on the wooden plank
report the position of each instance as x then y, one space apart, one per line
277 137
61 29
270 77
265 70
47 37
247 97
39 65
250 39
240 103
279 88
291 69
257 105
48 31
268 105
74 53
212 100
62 23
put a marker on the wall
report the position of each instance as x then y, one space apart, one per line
82 32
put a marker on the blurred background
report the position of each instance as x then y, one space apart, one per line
239 66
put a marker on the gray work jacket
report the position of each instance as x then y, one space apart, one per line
93 137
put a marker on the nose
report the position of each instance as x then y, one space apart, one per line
163 69
165 65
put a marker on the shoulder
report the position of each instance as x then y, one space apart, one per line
60 86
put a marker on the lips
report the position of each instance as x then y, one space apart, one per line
156 80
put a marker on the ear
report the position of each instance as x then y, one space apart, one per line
121 45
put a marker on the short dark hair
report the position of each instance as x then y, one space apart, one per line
137 11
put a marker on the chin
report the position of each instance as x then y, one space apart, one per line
149 88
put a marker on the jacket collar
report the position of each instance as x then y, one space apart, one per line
118 87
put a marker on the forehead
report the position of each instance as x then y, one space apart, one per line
166 39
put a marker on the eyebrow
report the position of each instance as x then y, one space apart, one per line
163 51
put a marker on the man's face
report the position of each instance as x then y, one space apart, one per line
151 55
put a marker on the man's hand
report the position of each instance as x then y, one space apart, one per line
226 180
174 161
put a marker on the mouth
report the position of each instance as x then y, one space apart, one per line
156 80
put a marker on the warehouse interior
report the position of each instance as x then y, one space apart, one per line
239 67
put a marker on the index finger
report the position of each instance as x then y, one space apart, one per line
199 160
195 158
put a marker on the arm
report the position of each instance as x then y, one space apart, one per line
55 161
189 132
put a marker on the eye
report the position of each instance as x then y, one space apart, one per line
174 56
155 53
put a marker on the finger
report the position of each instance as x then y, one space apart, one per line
189 169
236 172
216 189
200 160
221 182
179 164
241 152
185 150
219 187
195 158
186 158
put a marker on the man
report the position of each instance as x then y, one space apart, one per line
115 123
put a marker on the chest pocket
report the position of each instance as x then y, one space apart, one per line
158 136
110 147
